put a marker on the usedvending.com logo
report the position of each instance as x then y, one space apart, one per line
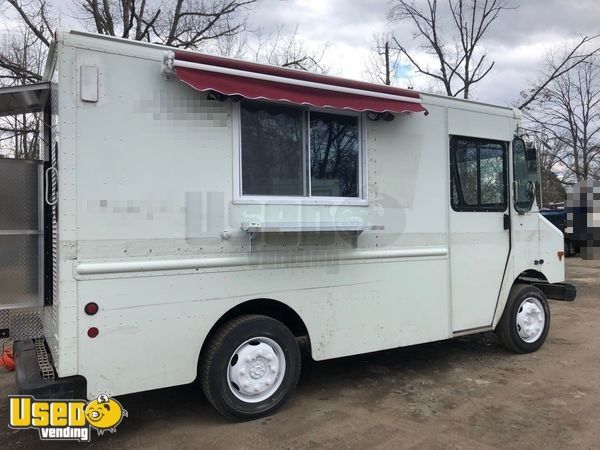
70 420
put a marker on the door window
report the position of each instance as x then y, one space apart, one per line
478 174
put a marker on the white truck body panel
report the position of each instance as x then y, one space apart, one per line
146 191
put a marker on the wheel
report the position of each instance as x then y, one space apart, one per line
250 367
526 319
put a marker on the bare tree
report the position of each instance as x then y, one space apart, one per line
288 50
230 46
460 61
383 60
566 113
124 18
22 58
570 58
36 16
181 23
552 178
24 45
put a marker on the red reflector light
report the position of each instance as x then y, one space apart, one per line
91 308
93 332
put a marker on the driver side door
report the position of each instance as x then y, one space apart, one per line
479 229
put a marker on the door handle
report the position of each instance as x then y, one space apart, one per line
506 220
50 202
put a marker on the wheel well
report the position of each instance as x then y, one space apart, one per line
266 307
529 275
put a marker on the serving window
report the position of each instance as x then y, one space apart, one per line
299 154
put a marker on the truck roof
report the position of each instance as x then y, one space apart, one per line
114 44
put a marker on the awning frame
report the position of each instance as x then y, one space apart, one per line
176 64
171 62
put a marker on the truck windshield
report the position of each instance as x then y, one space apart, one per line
525 175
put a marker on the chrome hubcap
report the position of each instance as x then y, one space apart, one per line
256 369
531 319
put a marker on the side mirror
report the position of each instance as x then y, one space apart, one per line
530 191
525 175
524 197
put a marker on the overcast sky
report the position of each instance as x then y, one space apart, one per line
516 41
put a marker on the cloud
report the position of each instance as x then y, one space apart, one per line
335 21
546 20
517 41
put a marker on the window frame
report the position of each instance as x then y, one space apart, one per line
519 210
453 172
239 198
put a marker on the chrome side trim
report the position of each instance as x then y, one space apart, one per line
255 259
19 232
472 331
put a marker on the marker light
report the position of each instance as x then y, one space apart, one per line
91 308
93 332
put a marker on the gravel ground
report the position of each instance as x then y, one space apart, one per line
464 393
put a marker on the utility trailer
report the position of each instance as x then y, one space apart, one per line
198 215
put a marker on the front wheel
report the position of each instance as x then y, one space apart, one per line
250 367
524 325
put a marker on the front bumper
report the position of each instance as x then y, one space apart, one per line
30 381
557 291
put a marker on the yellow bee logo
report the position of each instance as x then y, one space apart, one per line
104 413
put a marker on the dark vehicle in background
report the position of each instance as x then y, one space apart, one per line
557 215
583 218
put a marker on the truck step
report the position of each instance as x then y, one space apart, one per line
43 360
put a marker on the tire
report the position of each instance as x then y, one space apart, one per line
269 376
525 303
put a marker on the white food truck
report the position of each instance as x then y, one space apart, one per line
195 216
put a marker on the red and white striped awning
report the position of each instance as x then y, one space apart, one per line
232 77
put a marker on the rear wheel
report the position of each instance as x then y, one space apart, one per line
250 367
525 322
